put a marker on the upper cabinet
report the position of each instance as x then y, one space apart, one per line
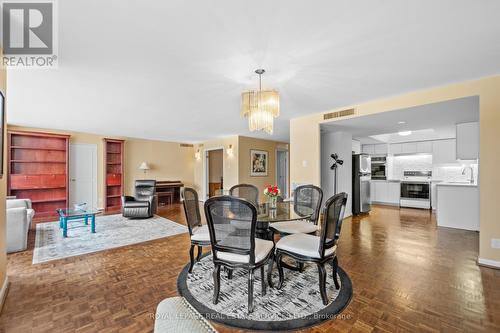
395 148
444 151
375 149
424 147
368 149
468 141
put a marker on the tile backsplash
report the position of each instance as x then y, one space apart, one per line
448 173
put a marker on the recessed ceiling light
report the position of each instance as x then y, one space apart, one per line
401 122
404 133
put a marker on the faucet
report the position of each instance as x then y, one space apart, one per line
471 180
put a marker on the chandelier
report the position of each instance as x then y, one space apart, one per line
260 107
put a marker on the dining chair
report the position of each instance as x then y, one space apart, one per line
245 191
321 249
231 223
197 231
305 198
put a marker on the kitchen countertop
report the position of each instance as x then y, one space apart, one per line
386 180
456 184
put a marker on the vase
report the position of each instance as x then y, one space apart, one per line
272 202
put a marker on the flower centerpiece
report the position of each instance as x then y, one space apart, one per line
272 192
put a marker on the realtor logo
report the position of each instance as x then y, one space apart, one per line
28 29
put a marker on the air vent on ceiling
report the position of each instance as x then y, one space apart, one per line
186 145
338 114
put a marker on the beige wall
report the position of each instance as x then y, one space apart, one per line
168 160
215 165
229 164
3 188
245 145
305 145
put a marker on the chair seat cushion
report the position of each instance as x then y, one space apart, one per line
303 244
201 234
133 204
262 249
295 227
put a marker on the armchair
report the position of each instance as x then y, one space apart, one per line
19 216
143 203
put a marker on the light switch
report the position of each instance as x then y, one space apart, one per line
304 163
495 243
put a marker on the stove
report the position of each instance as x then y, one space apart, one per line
416 189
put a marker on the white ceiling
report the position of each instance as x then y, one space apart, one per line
427 122
174 70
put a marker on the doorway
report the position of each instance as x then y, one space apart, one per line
83 174
282 171
215 172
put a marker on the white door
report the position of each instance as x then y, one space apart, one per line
83 174
282 172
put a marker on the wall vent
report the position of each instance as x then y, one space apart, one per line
338 114
186 145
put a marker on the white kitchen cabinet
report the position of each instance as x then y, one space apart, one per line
381 149
385 192
368 149
424 147
444 151
468 141
395 148
409 148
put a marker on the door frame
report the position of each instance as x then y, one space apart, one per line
205 189
94 171
287 169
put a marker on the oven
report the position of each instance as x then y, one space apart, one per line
378 164
416 189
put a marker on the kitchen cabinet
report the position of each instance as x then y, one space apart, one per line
395 148
468 141
381 149
368 149
458 206
409 148
385 192
424 147
444 151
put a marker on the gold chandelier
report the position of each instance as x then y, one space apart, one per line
260 107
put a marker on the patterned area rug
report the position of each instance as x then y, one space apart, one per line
297 305
111 231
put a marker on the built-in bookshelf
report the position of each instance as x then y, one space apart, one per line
38 170
113 164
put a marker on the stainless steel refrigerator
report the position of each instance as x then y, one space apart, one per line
361 179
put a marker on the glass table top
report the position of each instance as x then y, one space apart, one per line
284 211
68 212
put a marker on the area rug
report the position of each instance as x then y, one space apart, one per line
111 231
297 305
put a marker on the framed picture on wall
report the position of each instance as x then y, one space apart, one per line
2 130
259 162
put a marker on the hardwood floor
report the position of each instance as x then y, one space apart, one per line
408 276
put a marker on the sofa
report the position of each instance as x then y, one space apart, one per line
143 203
19 214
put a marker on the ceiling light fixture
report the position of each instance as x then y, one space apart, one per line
404 133
260 107
401 122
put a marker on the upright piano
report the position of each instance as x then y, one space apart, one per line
168 192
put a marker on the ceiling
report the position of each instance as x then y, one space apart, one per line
427 122
174 70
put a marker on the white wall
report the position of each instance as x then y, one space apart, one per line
340 143
356 147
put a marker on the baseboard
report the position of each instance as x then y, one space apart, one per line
3 292
488 263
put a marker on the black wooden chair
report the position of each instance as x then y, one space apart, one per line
245 191
199 233
321 249
305 196
231 223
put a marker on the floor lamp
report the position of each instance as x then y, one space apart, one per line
336 163
144 167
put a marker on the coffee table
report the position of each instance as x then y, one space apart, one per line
67 214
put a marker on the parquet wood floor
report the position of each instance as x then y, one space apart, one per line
408 276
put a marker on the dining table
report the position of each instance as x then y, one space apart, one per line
268 213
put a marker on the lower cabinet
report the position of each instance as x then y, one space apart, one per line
385 192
